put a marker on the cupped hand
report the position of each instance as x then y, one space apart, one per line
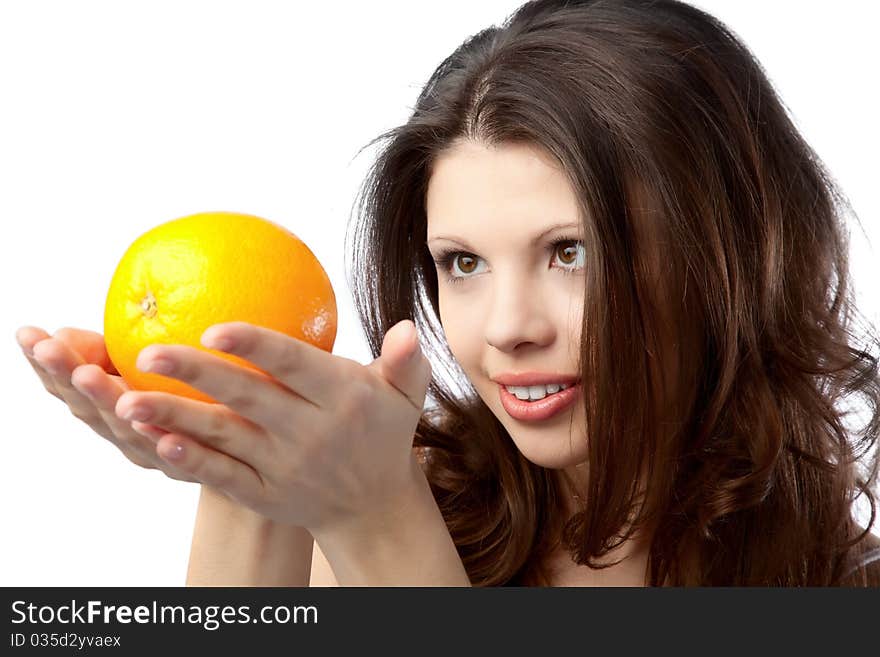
73 366
311 439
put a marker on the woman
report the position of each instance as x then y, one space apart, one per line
606 196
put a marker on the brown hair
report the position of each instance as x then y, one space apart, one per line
750 472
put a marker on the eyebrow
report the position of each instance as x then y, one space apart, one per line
534 240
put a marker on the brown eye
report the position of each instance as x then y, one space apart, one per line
466 263
568 254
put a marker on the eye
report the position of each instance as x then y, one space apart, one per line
572 259
467 264
573 255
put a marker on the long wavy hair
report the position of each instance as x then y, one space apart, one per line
751 473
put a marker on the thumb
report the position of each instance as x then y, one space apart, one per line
402 364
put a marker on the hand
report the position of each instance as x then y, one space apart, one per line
310 440
74 367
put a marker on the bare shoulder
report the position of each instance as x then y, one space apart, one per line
322 573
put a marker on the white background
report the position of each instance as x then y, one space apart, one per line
117 116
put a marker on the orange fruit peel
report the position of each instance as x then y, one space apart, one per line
186 275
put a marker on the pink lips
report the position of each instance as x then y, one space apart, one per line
535 378
538 410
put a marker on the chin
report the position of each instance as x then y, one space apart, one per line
549 444
553 445
551 454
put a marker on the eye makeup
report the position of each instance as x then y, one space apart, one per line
447 257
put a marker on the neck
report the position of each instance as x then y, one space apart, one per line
632 554
631 571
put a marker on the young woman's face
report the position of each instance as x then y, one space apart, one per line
511 289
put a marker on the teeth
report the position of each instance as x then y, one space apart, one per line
535 392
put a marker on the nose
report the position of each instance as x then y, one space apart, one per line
517 313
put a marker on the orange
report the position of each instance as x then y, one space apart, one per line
185 275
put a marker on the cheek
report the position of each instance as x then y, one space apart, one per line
569 314
574 318
463 331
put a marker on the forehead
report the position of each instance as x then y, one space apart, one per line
474 184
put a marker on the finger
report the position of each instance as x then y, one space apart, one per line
307 370
253 395
150 431
402 364
153 434
101 388
89 388
214 425
211 467
137 443
89 345
154 462
60 361
59 383
103 391
27 338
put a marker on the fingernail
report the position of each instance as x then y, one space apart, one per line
220 343
173 453
416 350
138 413
159 366
28 350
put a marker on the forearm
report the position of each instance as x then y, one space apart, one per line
408 546
234 546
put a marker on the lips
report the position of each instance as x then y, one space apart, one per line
535 378
542 409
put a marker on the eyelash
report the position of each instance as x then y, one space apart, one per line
445 259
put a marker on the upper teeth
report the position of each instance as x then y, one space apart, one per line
535 392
